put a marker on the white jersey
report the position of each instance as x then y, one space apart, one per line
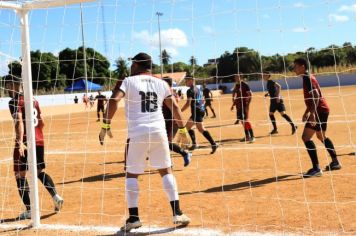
144 96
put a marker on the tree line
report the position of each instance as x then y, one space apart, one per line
51 72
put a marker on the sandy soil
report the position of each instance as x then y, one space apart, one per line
242 187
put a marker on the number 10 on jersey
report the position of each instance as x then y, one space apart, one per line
148 101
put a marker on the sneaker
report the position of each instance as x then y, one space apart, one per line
252 140
131 225
213 117
236 122
294 128
187 158
213 148
58 203
334 165
193 147
181 219
274 131
313 172
25 215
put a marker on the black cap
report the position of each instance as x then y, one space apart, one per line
143 59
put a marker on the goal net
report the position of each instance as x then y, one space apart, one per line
250 185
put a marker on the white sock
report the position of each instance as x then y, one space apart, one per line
132 191
170 187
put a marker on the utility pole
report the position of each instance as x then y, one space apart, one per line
160 46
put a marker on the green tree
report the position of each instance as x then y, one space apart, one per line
165 57
121 67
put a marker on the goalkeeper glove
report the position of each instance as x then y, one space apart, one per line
183 139
105 129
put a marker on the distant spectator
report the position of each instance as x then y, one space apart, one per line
76 100
85 100
91 100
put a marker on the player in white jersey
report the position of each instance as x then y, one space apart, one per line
144 96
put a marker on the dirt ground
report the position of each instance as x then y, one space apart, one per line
241 188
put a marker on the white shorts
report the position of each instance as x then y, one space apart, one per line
153 146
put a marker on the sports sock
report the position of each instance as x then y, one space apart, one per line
311 148
208 137
285 116
170 187
192 136
48 183
247 133
132 191
331 149
206 111
175 148
133 215
212 110
273 120
22 186
251 133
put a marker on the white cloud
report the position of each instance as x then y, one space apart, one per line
208 30
171 39
299 5
338 18
346 8
300 30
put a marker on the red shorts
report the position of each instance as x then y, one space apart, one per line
321 122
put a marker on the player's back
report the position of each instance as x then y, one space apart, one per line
144 96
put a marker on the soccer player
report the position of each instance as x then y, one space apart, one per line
144 96
208 97
316 118
172 128
196 102
85 100
274 92
241 99
17 110
100 104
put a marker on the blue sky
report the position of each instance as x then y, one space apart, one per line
203 28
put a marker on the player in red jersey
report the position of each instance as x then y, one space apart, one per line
100 105
241 99
316 118
17 110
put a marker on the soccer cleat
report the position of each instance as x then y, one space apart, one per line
313 173
294 128
131 225
25 215
213 117
251 140
274 131
58 203
334 165
213 148
187 157
236 122
181 219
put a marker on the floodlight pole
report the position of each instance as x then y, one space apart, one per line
84 50
160 46
30 117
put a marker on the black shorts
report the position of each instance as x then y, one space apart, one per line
321 122
274 106
100 108
208 102
197 115
242 114
20 163
171 128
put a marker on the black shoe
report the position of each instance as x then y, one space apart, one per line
187 157
313 173
294 128
131 224
274 131
213 148
193 147
214 116
334 165
236 122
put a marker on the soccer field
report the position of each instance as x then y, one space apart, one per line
243 187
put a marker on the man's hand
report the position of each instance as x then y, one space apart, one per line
105 129
305 117
183 139
22 148
312 119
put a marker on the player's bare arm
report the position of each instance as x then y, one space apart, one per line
187 104
109 114
20 130
171 103
312 107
